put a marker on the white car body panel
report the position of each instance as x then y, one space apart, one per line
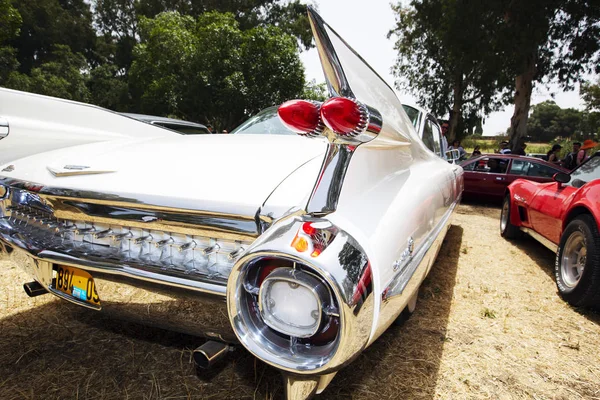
206 172
41 123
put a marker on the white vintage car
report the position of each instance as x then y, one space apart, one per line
302 236
31 123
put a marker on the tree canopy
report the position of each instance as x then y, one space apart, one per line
591 95
448 56
210 69
466 57
204 60
548 121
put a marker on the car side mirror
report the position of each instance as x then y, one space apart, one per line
561 177
453 156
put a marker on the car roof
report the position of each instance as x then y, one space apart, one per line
515 156
154 118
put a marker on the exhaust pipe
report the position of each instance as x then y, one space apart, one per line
34 289
210 353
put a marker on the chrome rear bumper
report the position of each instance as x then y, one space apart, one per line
123 297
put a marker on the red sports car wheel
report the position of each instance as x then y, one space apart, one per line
507 230
577 267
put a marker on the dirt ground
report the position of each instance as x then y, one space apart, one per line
489 325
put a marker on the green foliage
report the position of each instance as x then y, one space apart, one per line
315 91
212 71
48 23
591 95
448 56
10 21
204 60
548 121
60 76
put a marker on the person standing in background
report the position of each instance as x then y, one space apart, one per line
445 127
504 148
582 153
552 155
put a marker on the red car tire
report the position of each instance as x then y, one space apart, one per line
507 229
577 266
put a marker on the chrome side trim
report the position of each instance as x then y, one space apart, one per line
103 208
547 243
407 270
337 83
326 193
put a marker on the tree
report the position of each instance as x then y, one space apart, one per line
10 23
48 23
548 121
118 20
447 56
548 39
591 95
210 70
59 76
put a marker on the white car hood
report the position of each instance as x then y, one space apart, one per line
231 174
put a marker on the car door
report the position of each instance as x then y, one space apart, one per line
486 176
546 208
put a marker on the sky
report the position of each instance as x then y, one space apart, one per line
364 24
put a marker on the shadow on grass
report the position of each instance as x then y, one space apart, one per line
546 259
404 361
58 350
481 201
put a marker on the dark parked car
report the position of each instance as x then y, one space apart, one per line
185 127
487 176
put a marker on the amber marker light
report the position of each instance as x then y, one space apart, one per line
300 244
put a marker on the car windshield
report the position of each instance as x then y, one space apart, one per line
266 122
586 172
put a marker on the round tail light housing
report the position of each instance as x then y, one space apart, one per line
345 116
301 116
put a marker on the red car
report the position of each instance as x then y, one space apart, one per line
564 215
487 176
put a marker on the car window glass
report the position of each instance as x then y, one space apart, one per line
492 165
185 129
540 170
586 172
266 122
436 136
519 167
413 115
470 166
428 137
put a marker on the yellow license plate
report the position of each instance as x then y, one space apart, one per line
76 283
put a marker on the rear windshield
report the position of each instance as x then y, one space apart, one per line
185 129
266 122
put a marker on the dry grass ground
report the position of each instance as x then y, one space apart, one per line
489 325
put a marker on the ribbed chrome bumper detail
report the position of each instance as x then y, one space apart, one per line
29 223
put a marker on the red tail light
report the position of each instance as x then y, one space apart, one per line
300 116
343 115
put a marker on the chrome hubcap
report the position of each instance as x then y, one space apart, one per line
504 216
573 259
